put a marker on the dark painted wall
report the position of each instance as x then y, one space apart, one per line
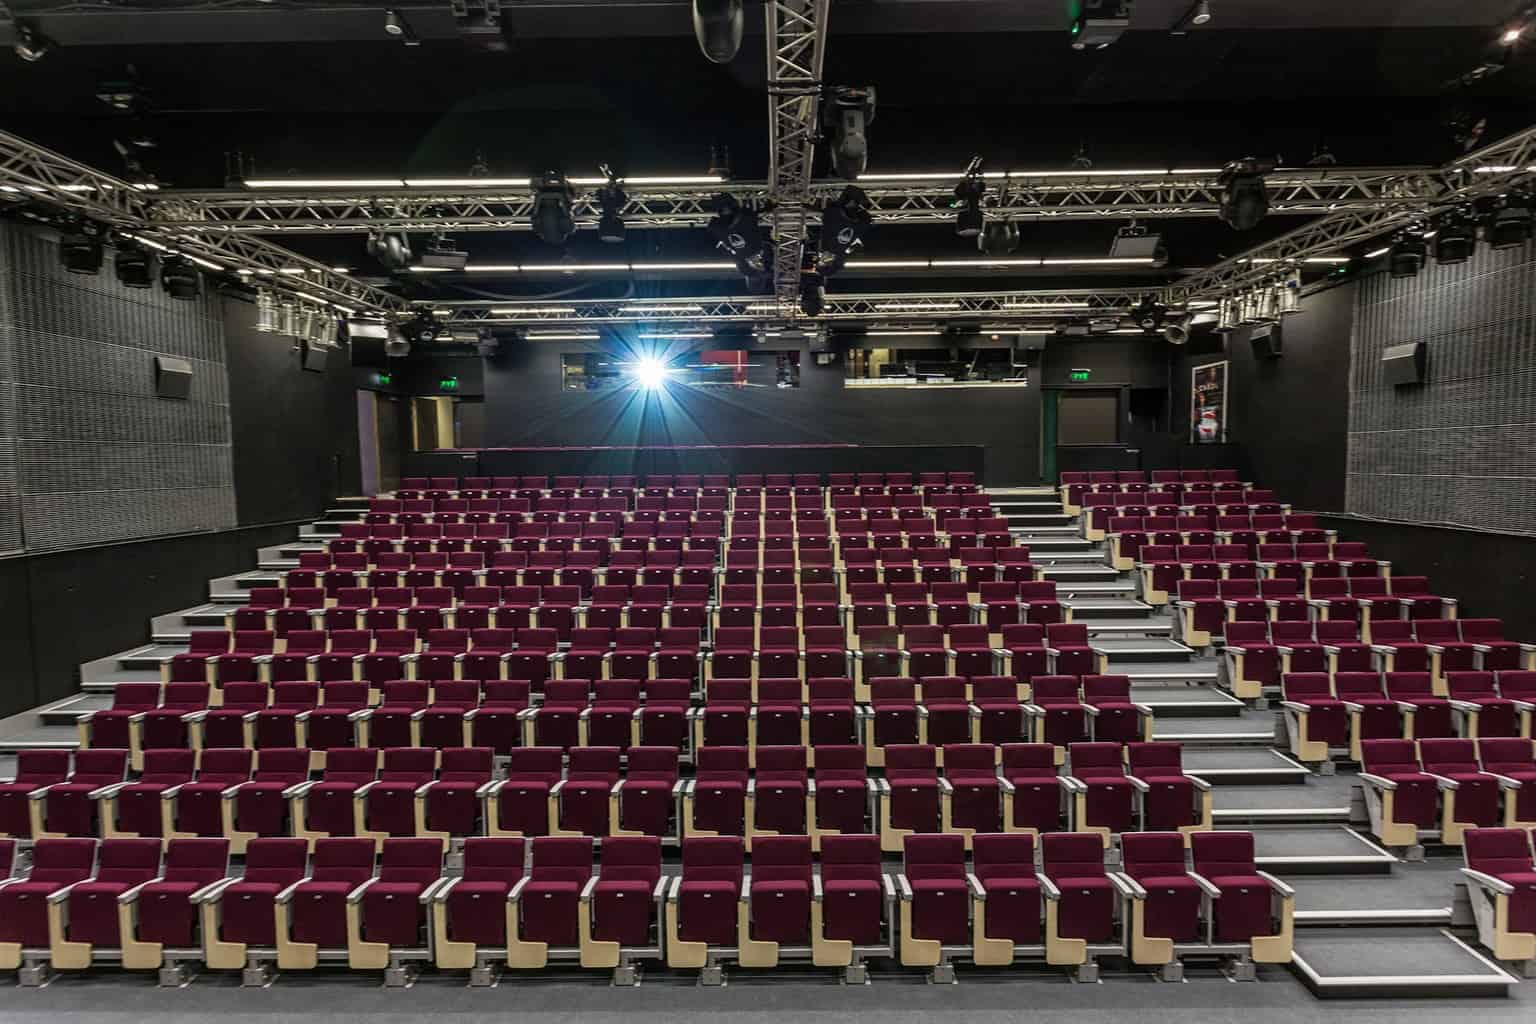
91 602
525 406
294 431
1491 574
1289 416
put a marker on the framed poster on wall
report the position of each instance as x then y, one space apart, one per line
1208 403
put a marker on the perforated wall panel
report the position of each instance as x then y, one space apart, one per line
1460 448
97 457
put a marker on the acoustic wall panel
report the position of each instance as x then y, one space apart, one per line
1461 448
10 488
98 456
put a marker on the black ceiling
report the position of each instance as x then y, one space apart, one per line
325 92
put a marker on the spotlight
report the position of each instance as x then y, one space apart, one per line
487 345
737 232
1176 328
1202 13
80 249
720 161
717 25
1149 314
846 118
396 25
397 344
842 228
610 228
180 278
1509 221
1511 35
1099 23
31 45
1135 241
968 196
1244 199
1406 255
813 295
423 328
650 374
390 248
998 238
1455 237
551 216
134 265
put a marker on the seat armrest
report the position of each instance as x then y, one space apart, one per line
1443 782
361 714
1127 886
660 891
211 891
228 793
904 887
1047 887
517 890
1140 785
1201 784
1072 784
1005 785
60 895
430 892
286 896
425 788
977 889
106 791
356 895
1377 781
1467 706
1274 883
364 788
132 895
1352 706
672 891
445 886
1206 885
1505 782
490 788
557 788
816 893
1291 705
1484 881
588 889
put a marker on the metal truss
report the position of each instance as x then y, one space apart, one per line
885 308
1138 195
30 173
797 43
1488 171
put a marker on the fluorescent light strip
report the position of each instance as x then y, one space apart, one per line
878 264
1046 305
998 175
205 264
663 309
718 265
1310 259
563 336
914 305
1499 169
325 183
1378 252
902 334
467 183
1101 261
532 310
676 336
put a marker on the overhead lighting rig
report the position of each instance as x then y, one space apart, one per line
718 26
843 223
1244 196
969 194
81 249
1135 241
31 45
1100 23
610 228
1455 236
551 215
1406 256
1508 221
846 118
391 248
442 254
736 232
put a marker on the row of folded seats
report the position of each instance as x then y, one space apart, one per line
896 600
1259 654
346 901
1204 607
1191 511
1165 484
1340 712
1162 567
742 511
1268 540
501 714
1440 788
690 480
451 793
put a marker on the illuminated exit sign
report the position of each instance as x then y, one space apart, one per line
448 384
1078 376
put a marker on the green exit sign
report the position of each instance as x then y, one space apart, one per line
448 384
386 378
1078 376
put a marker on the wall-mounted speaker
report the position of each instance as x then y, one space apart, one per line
314 357
1403 364
1266 341
173 377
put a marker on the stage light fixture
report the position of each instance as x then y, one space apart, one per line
610 227
1202 13
81 250
813 294
397 345
391 248
1176 328
396 25
1406 256
180 278
133 263
999 238
1509 221
31 45
842 228
1244 198
551 217
442 254
969 193
1099 23
487 344
736 231
649 373
1134 241
717 25
1455 237
846 118
1149 313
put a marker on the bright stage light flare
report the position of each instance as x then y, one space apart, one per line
650 374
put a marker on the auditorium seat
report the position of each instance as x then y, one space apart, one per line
707 904
1168 798
853 903
1056 705
1469 796
1081 919
843 800
970 790
310 917
1501 880
1316 721
25 903
909 795
1513 758
1401 798
520 804
1165 902
132 809
110 727
65 808
1478 708
644 801
386 807
158 920
1112 715
469 914
258 807
1252 907
1103 795
323 807
935 900
715 799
